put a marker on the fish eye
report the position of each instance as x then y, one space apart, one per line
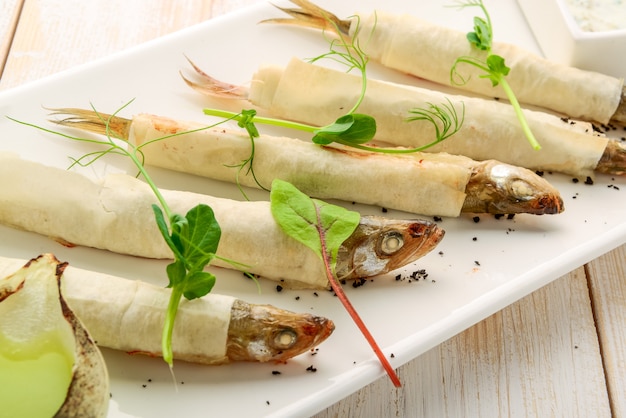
285 338
521 189
391 242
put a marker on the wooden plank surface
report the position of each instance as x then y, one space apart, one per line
607 277
9 15
55 35
540 356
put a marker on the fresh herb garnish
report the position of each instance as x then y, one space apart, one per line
244 120
354 130
494 66
322 227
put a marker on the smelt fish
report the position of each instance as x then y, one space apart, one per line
128 315
116 214
427 184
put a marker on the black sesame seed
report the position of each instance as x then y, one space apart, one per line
359 282
476 219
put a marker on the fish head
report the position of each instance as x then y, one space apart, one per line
380 245
266 333
507 189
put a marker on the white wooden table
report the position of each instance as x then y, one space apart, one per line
560 351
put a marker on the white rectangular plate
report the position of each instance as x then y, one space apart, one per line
468 279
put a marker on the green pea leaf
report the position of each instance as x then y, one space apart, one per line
165 232
176 273
354 128
497 65
198 284
314 223
202 237
481 37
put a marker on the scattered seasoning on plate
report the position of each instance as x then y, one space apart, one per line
276 372
314 351
297 297
279 288
474 238
476 219
416 275
359 282
589 180
384 210
539 173
392 355
267 402
437 218
315 294
311 369
441 253
476 262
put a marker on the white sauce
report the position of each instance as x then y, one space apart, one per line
598 15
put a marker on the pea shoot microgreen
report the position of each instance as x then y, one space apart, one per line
322 227
193 237
493 66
